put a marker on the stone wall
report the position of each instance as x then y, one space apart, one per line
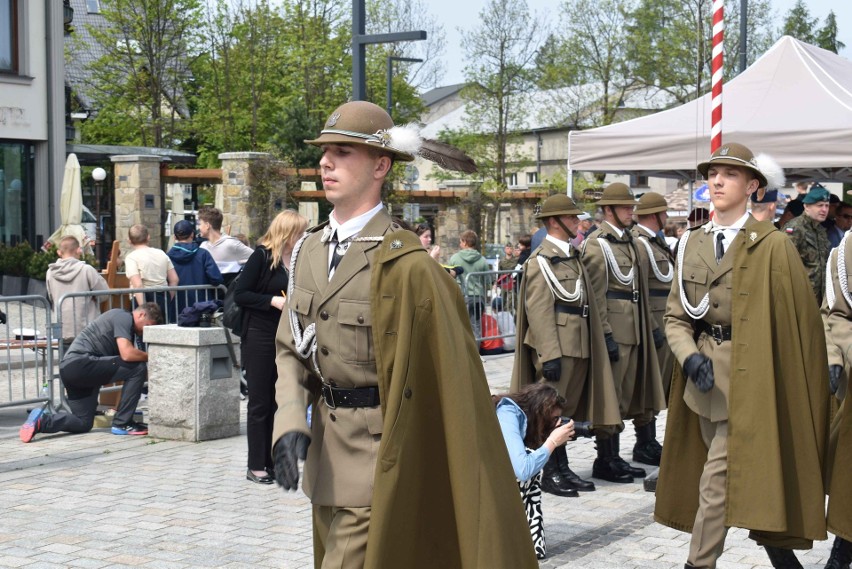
137 197
236 189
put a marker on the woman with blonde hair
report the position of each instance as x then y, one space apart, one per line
260 292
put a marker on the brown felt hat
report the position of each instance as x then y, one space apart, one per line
734 154
558 204
617 194
360 122
651 202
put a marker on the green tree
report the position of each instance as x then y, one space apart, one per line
826 37
139 84
500 54
799 24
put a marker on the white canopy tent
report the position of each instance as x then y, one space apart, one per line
794 103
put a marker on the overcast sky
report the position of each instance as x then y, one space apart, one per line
454 14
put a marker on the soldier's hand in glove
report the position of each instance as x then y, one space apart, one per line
611 347
834 373
552 370
699 368
659 338
286 453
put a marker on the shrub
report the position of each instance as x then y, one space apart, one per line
37 266
14 261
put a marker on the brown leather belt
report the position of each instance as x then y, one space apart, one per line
358 397
716 331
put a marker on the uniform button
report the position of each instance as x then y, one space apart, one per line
715 305
324 351
324 315
332 416
407 393
360 320
692 275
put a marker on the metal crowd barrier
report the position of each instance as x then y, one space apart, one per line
121 298
28 342
499 295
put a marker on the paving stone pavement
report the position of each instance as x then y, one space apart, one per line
98 500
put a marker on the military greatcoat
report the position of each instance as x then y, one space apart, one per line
771 384
391 317
812 243
837 319
552 328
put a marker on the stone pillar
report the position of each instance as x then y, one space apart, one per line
236 189
137 198
193 390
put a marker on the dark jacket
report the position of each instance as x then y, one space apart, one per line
194 266
258 283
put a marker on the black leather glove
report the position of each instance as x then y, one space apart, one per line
2 317
834 373
659 338
552 370
699 368
611 347
286 454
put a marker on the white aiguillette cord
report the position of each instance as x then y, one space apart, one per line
695 312
667 278
556 288
841 276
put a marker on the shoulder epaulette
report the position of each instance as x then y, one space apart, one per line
317 227
694 227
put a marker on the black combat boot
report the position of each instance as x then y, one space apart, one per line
604 466
568 475
650 482
841 554
782 558
647 450
553 483
622 464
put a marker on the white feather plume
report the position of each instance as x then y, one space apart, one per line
773 172
405 138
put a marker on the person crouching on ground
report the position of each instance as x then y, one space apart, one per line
532 419
104 352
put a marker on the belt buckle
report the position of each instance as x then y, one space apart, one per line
328 396
717 333
635 296
585 311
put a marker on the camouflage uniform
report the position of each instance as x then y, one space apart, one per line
811 241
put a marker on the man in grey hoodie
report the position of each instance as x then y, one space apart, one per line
473 287
70 274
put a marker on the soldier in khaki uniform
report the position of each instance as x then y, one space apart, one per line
621 295
747 419
810 238
376 337
837 316
560 328
656 261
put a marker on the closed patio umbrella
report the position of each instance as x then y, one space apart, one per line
70 204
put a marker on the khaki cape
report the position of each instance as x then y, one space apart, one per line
445 493
599 402
838 332
778 406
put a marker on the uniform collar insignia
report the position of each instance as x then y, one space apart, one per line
752 236
396 244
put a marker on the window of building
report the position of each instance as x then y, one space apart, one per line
639 181
512 180
9 36
532 178
16 192
93 6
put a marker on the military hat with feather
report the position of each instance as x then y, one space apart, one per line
363 123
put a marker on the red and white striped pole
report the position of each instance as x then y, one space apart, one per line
716 68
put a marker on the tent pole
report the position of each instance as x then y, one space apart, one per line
691 189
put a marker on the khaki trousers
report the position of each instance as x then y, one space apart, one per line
709 531
340 537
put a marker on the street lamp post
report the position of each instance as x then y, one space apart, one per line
98 175
391 59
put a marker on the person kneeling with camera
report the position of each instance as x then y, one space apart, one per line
533 427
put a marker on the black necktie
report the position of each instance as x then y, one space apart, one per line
720 247
336 254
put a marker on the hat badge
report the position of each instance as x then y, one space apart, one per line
723 151
332 120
